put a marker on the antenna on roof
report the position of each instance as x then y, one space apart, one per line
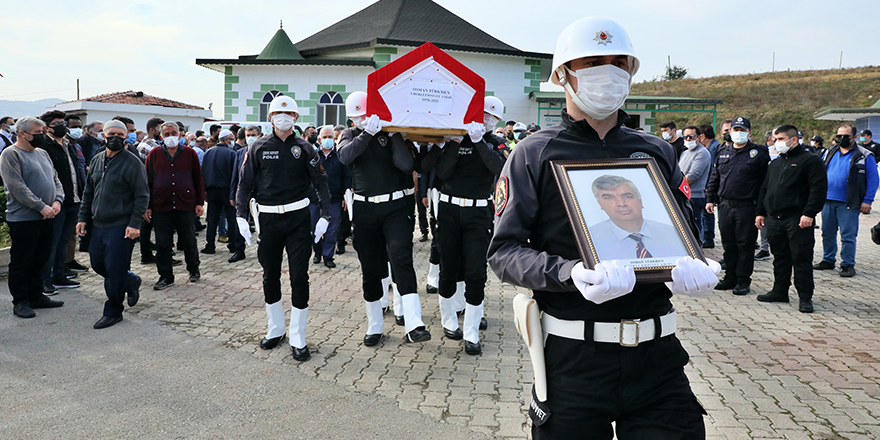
282 23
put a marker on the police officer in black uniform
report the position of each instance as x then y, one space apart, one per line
381 170
733 185
866 140
467 168
283 165
597 372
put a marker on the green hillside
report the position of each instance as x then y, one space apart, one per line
772 99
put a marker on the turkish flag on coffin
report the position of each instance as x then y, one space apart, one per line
426 88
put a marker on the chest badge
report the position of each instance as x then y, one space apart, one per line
753 153
297 151
383 140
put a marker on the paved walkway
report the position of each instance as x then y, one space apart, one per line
761 370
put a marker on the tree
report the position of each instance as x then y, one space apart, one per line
675 72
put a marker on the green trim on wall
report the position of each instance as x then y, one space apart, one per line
530 75
267 87
227 117
536 83
650 106
650 121
281 88
228 70
389 50
528 90
252 102
227 86
338 88
536 69
231 80
252 118
231 95
382 58
488 93
231 110
227 102
316 95
308 119
530 62
324 88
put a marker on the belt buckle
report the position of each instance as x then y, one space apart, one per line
623 325
462 202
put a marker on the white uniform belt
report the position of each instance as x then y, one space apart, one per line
381 198
281 209
625 333
464 203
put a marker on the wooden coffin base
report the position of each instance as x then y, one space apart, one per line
425 134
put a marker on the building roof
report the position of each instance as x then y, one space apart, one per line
280 48
559 97
138 98
848 114
406 23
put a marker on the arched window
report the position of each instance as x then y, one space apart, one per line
264 104
330 110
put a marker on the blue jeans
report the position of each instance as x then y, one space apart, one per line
63 225
708 229
327 245
110 255
836 215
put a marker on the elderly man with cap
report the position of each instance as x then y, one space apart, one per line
115 199
733 185
611 354
278 168
866 141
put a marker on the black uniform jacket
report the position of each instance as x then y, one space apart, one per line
738 173
380 164
534 246
284 170
467 169
796 184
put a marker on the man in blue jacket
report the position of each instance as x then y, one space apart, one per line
217 169
852 183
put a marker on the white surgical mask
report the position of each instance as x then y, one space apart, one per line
283 121
490 122
76 133
690 144
812 143
782 147
602 90
666 135
250 139
327 143
739 137
358 121
171 141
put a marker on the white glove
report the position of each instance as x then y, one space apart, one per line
608 280
476 131
692 277
321 228
373 125
440 145
244 229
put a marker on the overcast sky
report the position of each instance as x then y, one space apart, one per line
113 45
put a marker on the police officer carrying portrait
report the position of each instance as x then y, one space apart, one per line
278 168
467 168
611 354
381 172
733 186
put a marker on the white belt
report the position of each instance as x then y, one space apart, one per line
464 203
382 198
625 333
281 209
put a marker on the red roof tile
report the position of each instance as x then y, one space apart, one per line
139 98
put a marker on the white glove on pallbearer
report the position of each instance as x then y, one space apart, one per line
607 281
692 277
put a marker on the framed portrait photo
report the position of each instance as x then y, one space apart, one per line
622 209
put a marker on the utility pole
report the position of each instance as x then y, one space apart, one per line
840 66
77 89
773 68
669 61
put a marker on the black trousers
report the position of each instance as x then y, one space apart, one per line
423 217
166 223
382 229
218 205
344 229
792 248
31 246
464 241
290 232
643 389
738 235
144 238
110 255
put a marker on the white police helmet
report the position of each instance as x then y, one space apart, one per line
493 106
356 104
591 37
283 103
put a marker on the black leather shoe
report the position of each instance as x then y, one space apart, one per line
483 324
708 245
23 310
270 343
773 297
372 340
301 354
75 266
69 274
238 256
175 262
741 289
340 250
423 238
194 276
208 250
162 284
385 310
148 260
762 255
398 320
723 264
805 306
472 348
201 227
135 293
823 265
726 284
431 289
45 303
107 321
418 334
329 263
316 259
847 271
455 335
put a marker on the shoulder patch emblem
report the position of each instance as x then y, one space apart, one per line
753 153
502 194
314 162
296 150
639 155
383 140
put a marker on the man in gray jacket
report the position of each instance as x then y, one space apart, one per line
33 198
114 202
695 162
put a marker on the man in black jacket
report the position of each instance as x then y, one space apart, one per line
217 169
792 194
338 180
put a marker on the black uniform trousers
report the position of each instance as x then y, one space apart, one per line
280 232
738 235
344 230
423 217
792 247
218 205
166 223
643 389
464 241
31 246
144 238
383 232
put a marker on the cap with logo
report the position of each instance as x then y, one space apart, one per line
741 122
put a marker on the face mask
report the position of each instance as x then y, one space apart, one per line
313 138
844 141
489 122
782 147
812 143
250 139
602 90
38 140
76 133
97 136
358 121
58 131
510 136
10 129
115 143
171 141
132 138
739 137
690 144
283 122
327 144
192 144
666 135
862 139
727 138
